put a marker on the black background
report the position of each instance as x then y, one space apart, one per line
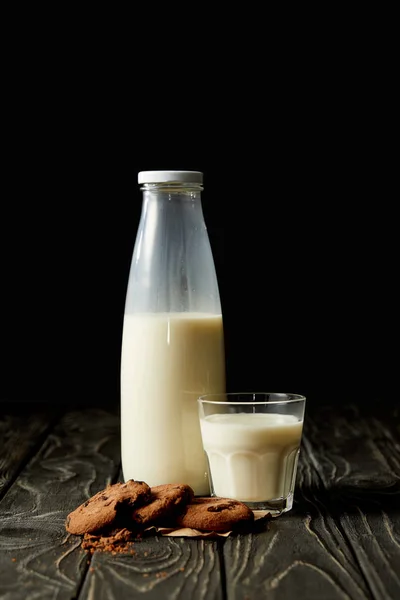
299 209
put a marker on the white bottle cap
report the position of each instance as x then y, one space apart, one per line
170 176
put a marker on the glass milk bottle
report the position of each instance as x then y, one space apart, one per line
173 343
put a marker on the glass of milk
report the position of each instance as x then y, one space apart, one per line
252 444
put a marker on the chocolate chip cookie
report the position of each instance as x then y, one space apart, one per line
215 514
166 502
108 507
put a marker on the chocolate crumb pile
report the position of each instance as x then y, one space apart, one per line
119 541
112 519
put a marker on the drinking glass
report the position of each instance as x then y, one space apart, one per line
252 443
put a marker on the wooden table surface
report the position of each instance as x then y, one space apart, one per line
340 541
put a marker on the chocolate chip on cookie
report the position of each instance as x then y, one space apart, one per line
108 507
166 502
215 514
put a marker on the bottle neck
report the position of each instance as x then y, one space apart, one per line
172 190
170 206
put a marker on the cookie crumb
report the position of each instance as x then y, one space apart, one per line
118 541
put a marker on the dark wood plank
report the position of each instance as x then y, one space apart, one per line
303 554
22 430
37 558
357 457
162 567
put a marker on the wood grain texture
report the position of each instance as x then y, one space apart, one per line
167 568
303 554
357 458
37 558
340 542
22 428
